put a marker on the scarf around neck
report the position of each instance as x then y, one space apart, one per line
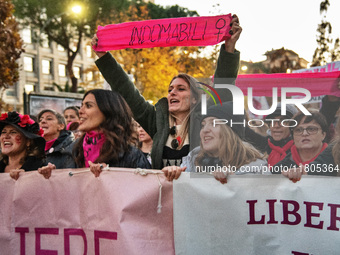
92 144
297 159
278 153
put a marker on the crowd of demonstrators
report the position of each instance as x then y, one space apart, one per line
59 141
22 144
108 133
169 121
278 143
222 149
169 137
144 142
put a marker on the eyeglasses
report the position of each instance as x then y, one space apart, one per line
310 130
174 142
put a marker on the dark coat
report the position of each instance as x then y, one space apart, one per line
324 162
133 158
31 163
60 153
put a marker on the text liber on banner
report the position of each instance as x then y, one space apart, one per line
189 31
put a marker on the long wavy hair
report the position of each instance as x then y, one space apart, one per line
117 127
195 93
233 151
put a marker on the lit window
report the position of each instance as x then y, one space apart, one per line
62 70
60 48
88 51
26 35
29 88
89 76
76 72
46 66
28 64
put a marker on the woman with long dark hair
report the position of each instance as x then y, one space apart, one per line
106 120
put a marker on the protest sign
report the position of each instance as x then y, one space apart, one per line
256 215
189 31
113 214
117 214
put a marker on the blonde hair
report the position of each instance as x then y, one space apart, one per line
194 93
233 151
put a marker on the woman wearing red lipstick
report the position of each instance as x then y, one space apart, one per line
169 121
22 144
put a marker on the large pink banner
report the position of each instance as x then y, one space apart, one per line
323 83
190 31
113 214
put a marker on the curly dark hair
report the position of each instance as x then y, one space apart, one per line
117 127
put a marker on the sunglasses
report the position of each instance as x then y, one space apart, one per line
175 142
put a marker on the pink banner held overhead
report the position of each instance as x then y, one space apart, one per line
317 84
190 31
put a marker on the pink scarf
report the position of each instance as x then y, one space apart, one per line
92 144
49 144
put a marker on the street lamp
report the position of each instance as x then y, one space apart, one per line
76 9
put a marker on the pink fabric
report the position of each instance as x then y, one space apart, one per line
322 83
190 31
49 144
113 214
92 143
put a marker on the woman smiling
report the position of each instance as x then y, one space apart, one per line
222 150
107 123
22 147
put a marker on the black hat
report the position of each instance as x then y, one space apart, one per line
28 127
225 111
290 111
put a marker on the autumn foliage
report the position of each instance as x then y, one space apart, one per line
10 45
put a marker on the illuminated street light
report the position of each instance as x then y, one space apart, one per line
76 9
244 68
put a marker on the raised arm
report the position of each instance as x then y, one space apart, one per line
228 60
120 82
